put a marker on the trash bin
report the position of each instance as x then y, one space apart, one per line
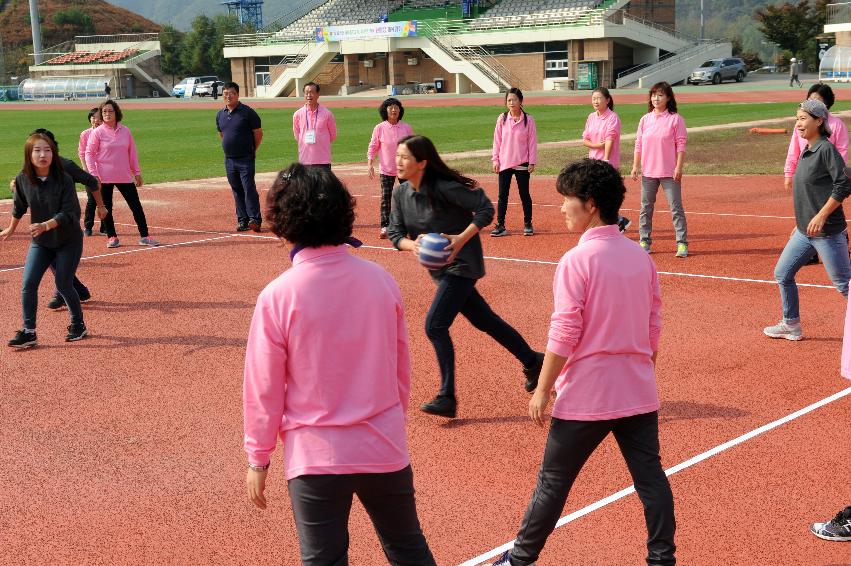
439 84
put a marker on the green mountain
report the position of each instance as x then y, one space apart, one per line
180 13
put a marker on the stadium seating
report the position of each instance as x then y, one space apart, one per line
86 57
335 12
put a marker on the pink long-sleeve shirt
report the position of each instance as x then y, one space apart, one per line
111 154
603 128
607 323
385 138
322 122
514 143
327 368
838 137
81 147
660 137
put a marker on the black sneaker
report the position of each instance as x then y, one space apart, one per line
87 232
532 373
528 230
442 406
498 231
254 225
242 226
838 528
56 303
85 296
76 332
23 340
623 223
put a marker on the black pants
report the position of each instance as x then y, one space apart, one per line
387 182
569 445
523 189
65 259
321 505
89 217
459 295
131 196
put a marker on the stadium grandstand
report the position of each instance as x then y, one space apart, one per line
461 46
81 68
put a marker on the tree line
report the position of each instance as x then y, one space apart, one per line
199 51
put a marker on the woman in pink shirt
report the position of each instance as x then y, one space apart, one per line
660 148
602 135
601 358
330 376
515 151
385 138
111 157
91 205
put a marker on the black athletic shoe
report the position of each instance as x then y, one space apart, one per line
442 406
56 303
623 223
254 225
87 232
837 529
84 297
499 231
532 373
242 226
23 340
76 332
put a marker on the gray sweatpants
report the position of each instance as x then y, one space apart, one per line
674 195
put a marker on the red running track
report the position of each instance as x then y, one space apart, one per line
125 448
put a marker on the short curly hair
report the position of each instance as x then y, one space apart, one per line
589 179
382 110
310 206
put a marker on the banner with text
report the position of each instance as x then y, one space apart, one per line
367 31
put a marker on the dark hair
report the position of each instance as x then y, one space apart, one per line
49 134
595 179
824 91
422 148
605 92
382 110
519 94
668 91
232 86
310 206
311 83
92 112
55 163
118 115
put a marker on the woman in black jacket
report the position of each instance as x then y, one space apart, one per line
435 198
48 193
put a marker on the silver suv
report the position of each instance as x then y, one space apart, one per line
716 70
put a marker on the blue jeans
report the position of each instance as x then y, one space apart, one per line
458 295
240 173
833 251
39 259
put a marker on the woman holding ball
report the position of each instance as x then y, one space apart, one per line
435 198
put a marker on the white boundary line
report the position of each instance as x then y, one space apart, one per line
137 250
385 248
671 471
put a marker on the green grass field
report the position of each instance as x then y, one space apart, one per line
183 144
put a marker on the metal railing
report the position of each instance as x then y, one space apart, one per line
117 38
839 13
623 15
673 58
263 38
296 13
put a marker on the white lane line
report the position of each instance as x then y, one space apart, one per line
136 250
671 471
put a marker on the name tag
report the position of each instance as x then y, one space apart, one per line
310 137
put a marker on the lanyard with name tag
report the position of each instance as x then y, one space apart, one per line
310 134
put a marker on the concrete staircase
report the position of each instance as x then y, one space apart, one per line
294 77
676 67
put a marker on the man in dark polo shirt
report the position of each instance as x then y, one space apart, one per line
241 134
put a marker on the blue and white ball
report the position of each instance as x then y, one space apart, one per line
433 254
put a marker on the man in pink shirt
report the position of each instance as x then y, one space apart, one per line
601 357
330 376
314 129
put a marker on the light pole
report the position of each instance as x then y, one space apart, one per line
36 27
701 20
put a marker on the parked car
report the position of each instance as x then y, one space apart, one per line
179 90
717 70
206 88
